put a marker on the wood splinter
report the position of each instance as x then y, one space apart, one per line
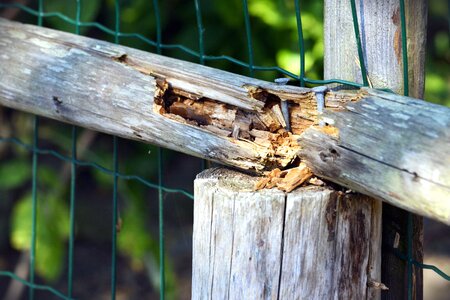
286 180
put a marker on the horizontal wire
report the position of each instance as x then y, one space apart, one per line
33 285
423 266
175 46
95 166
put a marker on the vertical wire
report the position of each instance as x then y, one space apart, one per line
301 43
406 93
72 211
409 255
404 49
201 31
34 181
362 62
161 229
115 180
34 205
158 26
201 47
73 175
117 21
78 17
114 220
249 37
162 274
41 12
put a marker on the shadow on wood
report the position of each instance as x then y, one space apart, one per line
313 243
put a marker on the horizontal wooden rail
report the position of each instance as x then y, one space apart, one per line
391 147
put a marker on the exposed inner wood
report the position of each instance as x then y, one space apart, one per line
265 127
286 180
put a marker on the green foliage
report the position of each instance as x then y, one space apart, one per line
52 224
51 232
437 80
89 11
14 173
135 240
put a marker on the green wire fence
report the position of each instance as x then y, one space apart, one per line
203 58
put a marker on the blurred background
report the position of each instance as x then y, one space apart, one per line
274 39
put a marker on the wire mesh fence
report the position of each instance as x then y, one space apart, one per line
114 31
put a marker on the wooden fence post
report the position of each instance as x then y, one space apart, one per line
381 39
313 243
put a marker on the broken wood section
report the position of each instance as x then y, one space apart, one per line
286 180
373 142
224 117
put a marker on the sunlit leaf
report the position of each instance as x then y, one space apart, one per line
289 60
52 230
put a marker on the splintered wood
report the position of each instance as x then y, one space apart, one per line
265 127
286 180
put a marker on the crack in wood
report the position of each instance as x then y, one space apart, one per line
121 58
415 175
260 127
263 128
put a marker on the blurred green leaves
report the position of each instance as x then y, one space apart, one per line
14 173
89 11
281 24
267 11
139 244
51 232
437 66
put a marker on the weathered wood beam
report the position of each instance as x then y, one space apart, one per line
142 96
391 147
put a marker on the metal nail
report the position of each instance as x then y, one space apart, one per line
284 104
320 97
282 80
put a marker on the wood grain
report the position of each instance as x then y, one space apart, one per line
418 181
121 91
380 28
308 244
386 147
380 32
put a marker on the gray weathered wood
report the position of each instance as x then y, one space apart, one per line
380 31
357 160
313 243
112 89
380 28
230 118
